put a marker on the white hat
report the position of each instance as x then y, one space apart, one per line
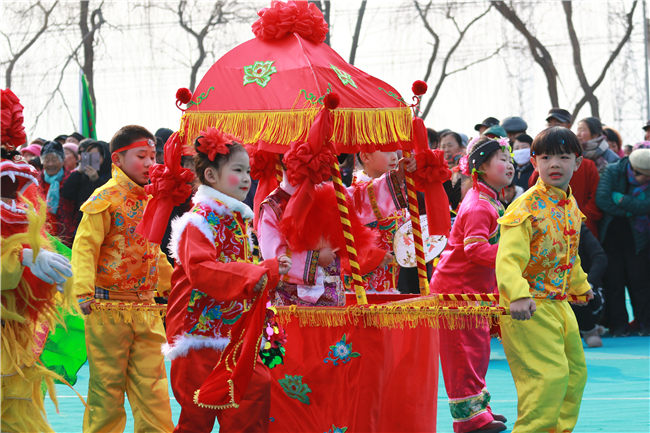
640 161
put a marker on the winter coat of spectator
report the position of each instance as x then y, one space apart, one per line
60 211
594 262
523 167
624 196
594 143
86 179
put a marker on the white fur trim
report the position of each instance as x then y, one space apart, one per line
206 195
186 342
178 227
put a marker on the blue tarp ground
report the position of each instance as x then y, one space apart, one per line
616 399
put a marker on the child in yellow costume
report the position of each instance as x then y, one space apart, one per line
30 277
537 265
115 265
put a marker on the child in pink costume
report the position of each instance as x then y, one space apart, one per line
467 266
315 275
389 211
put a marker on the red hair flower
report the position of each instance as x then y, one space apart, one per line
213 141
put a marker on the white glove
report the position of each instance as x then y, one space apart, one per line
48 266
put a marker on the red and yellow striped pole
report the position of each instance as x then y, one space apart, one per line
278 169
417 232
487 297
344 214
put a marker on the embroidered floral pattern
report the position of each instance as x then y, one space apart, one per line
294 388
341 351
127 261
205 315
555 237
259 73
336 429
212 314
465 408
345 78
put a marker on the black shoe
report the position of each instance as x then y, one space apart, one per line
491 427
498 417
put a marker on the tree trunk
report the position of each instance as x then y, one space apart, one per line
589 89
539 52
357 31
88 42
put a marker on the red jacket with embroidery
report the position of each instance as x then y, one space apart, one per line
467 264
214 275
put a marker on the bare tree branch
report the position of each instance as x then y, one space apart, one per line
476 62
436 38
217 16
588 89
461 35
73 56
357 31
28 45
539 52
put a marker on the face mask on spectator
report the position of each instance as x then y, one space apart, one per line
522 156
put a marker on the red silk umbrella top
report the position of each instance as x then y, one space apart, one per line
266 92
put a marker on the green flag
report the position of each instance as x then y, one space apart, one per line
87 122
65 349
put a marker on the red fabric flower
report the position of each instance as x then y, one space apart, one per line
263 163
432 167
302 164
213 141
165 183
282 19
11 121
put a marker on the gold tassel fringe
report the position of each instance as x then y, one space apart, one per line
392 316
352 127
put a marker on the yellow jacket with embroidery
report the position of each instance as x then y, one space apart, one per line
107 252
538 249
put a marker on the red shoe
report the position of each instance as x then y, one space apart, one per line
491 427
498 417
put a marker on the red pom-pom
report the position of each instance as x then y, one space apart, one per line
419 87
282 19
183 95
331 101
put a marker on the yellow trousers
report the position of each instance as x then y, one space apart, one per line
548 366
22 399
124 356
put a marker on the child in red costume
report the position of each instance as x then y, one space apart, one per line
214 285
467 266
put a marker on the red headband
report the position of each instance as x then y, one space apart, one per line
146 142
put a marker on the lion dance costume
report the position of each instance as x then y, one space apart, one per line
30 276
